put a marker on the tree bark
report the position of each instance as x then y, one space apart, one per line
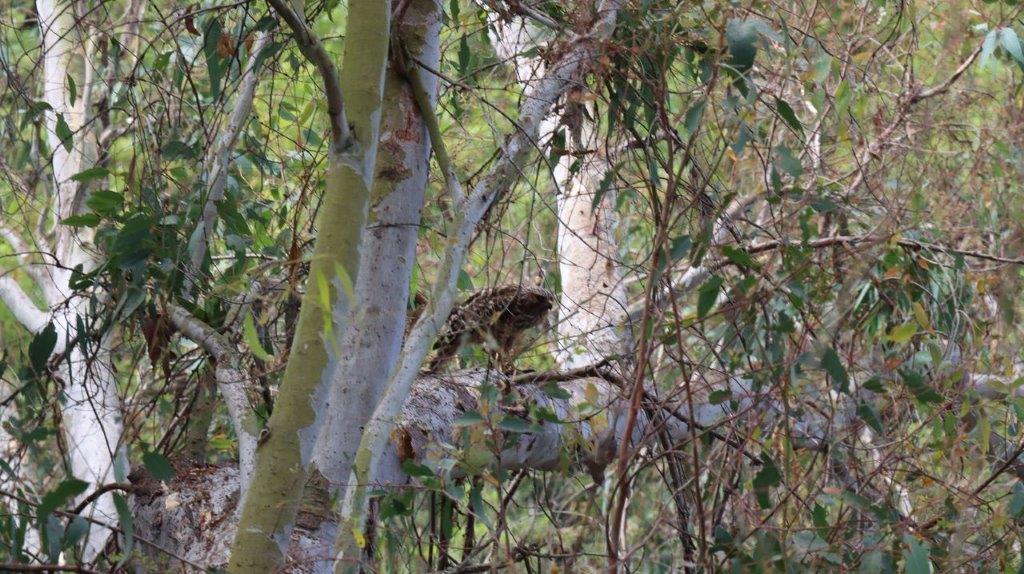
373 337
470 211
90 414
282 459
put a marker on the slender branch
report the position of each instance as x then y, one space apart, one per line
94 495
23 253
230 382
444 161
11 567
217 164
905 243
21 306
311 46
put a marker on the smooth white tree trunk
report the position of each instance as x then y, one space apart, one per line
90 406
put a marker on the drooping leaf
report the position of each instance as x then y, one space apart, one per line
215 63
988 47
741 36
252 339
82 220
515 424
787 162
834 367
708 294
1009 41
768 476
902 333
124 515
105 202
918 385
867 413
158 465
693 117
176 149
69 80
1016 508
65 492
64 133
786 113
680 247
41 347
468 418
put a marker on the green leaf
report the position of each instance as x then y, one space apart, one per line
602 188
176 149
252 339
867 413
133 242
693 117
787 114
900 334
739 257
464 55
82 220
65 492
41 347
1016 507
468 418
680 247
415 469
214 62
741 36
124 515
105 202
64 132
918 385
767 477
720 396
72 88
787 162
91 174
515 424
708 294
75 531
988 47
555 391
158 465
1009 41
834 367
916 556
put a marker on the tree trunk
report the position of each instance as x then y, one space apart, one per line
282 459
91 413
373 338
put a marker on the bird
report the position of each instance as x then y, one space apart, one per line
497 314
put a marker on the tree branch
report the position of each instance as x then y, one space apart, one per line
230 381
311 46
217 164
564 74
21 306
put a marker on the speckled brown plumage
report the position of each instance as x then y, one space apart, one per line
499 313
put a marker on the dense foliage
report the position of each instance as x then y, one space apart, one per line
816 220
